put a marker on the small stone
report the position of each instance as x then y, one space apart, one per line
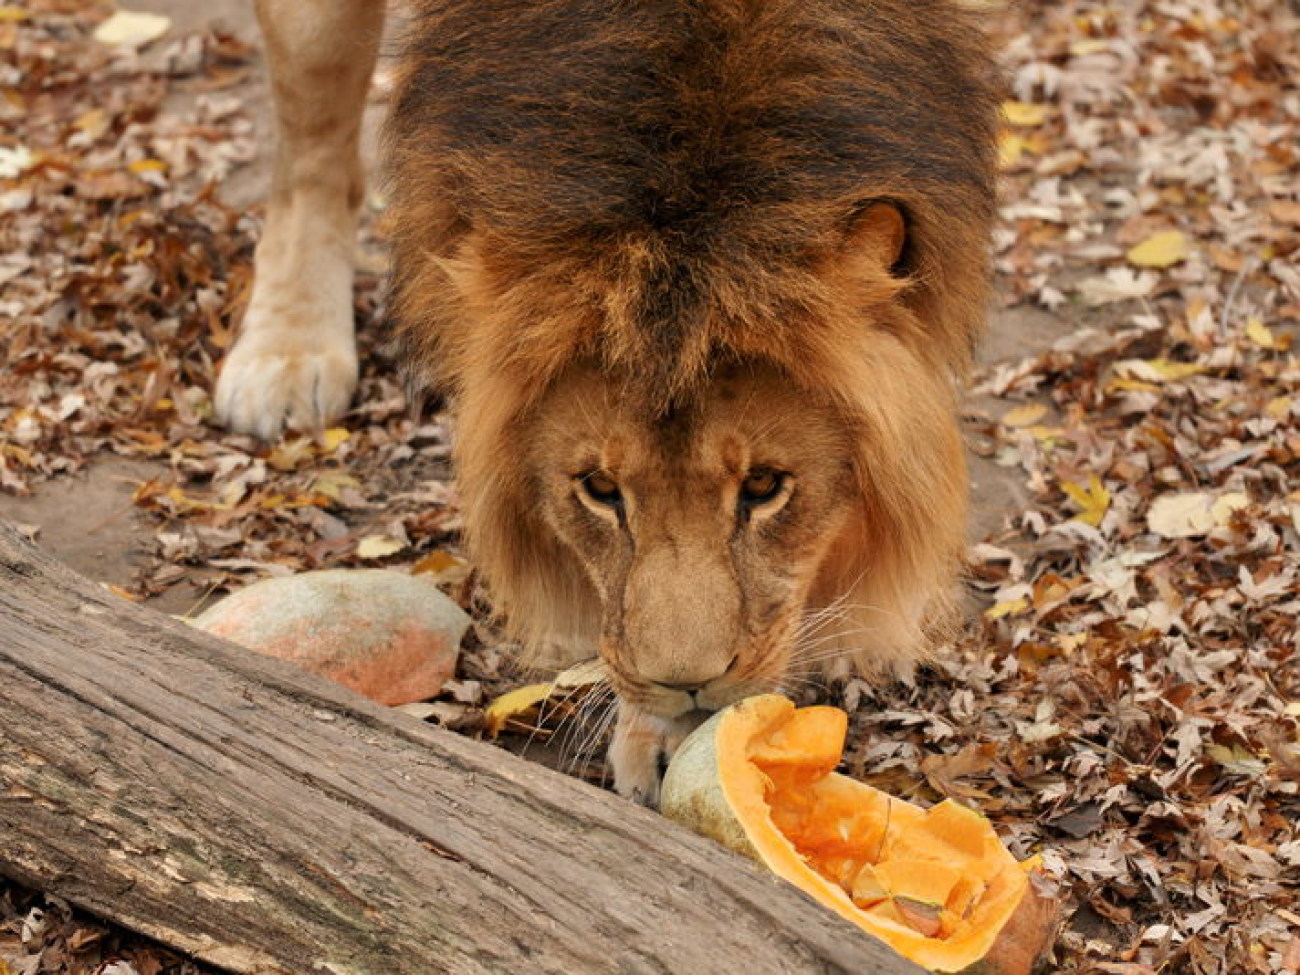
388 635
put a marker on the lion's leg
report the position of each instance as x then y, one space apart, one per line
295 362
641 749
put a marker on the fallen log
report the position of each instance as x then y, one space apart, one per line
265 820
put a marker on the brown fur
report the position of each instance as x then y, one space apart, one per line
640 197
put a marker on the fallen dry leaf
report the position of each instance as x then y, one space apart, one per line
1193 513
131 28
1117 284
15 160
1093 499
589 673
1285 211
378 547
1024 114
1290 962
1025 415
1160 250
515 704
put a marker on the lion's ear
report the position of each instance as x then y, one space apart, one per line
877 234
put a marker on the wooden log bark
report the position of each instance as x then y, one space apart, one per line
264 820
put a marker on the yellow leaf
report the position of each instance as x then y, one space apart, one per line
305 501
1024 415
1238 760
185 503
1011 147
513 704
332 484
1176 370
1158 370
289 455
1160 250
1047 436
1227 505
1093 500
1260 334
1024 114
1011 607
130 28
141 166
333 438
1278 407
13 13
378 546
231 493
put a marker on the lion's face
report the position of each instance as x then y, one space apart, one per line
702 532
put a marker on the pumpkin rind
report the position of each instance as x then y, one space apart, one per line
692 792
762 759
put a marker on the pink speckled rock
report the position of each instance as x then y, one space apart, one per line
391 636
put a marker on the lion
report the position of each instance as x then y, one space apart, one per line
700 280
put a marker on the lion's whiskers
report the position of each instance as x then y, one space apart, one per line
597 714
573 724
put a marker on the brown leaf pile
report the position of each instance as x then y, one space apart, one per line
39 935
1128 703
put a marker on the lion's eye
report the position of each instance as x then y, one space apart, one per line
601 488
761 486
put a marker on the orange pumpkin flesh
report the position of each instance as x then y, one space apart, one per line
935 884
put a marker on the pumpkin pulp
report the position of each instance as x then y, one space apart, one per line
936 884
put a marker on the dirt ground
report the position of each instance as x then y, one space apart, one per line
89 521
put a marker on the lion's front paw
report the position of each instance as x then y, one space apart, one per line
641 749
271 382
638 762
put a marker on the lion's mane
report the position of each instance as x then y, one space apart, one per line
658 186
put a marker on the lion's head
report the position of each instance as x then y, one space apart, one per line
702 286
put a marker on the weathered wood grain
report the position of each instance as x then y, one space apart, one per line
265 820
